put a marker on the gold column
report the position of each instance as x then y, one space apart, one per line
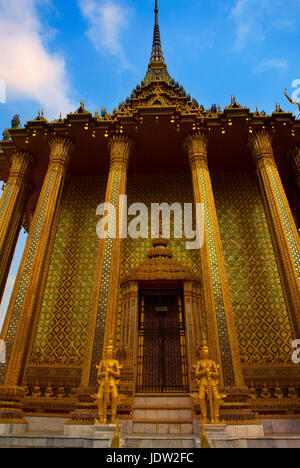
221 327
107 280
28 288
11 210
294 154
282 227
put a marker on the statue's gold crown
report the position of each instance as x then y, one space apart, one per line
204 346
110 346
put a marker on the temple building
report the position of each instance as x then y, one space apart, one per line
154 299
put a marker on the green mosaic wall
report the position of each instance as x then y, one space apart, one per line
260 311
62 328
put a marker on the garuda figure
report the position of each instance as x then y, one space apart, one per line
209 398
107 378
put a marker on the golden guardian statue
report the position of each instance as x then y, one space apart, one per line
107 378
209 398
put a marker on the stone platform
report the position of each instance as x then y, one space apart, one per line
54 433
96 436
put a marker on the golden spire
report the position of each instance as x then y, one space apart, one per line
157 68
156 13
157 53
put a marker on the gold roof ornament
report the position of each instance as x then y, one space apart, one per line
40 115
234 104
82 109
292 101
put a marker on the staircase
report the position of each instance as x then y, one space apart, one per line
162 422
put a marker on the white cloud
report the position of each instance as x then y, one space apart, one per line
272 64
254 19
106 20
30 71
6 298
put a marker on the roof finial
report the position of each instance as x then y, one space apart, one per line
157 68
157 53
156 13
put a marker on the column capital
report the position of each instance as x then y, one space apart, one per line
21 162
294 156
120 147
260 144
195 145
60 150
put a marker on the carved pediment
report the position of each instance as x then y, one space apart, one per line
161 265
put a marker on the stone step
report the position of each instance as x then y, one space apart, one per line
162 427
168 413
160 442
177 402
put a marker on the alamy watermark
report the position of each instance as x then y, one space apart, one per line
143 224
2 92
2 352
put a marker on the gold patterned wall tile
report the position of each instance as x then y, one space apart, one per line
64 317
261 315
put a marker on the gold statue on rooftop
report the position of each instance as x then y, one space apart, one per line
107 378
208 397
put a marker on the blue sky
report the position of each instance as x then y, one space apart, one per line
55 53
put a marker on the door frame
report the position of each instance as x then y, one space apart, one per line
194 321
161 290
